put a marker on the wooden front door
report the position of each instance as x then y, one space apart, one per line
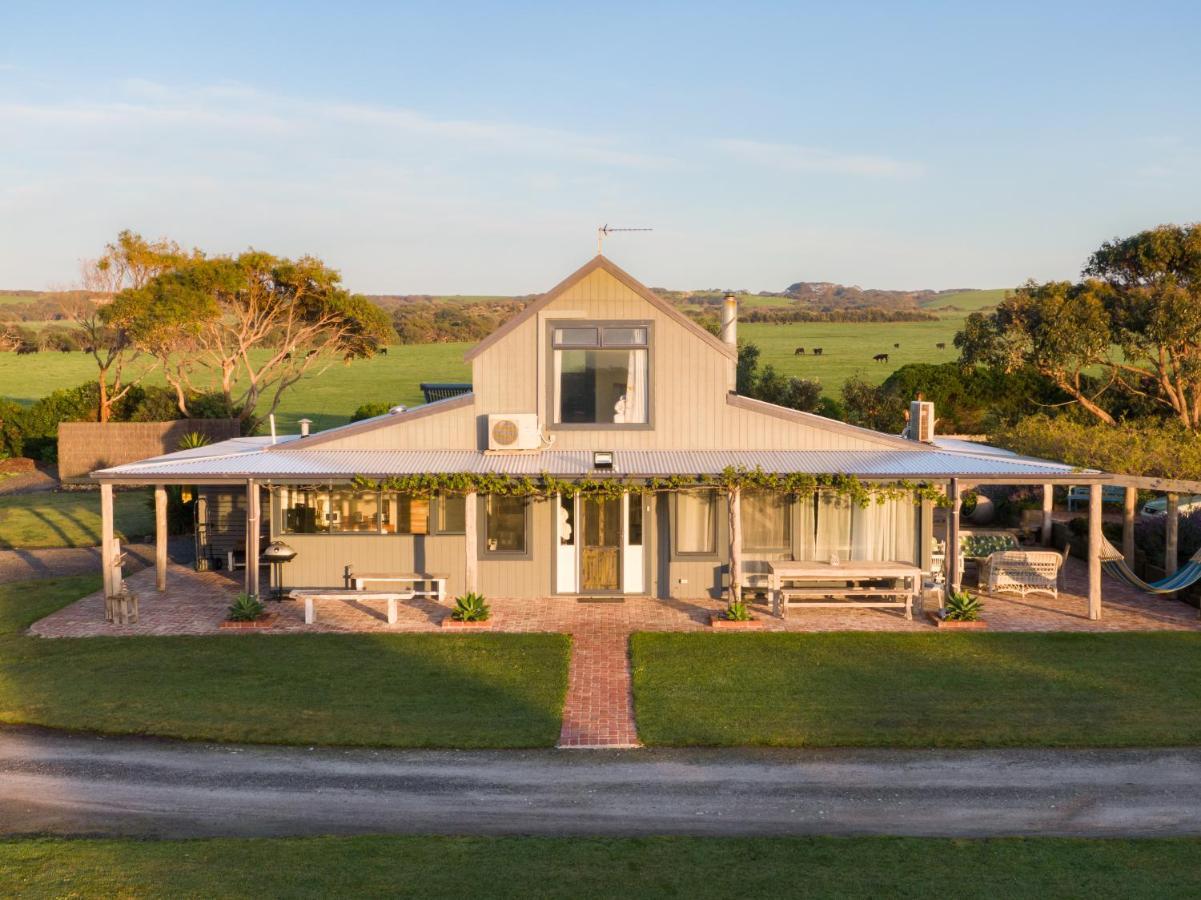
600 561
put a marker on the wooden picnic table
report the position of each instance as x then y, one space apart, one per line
862 583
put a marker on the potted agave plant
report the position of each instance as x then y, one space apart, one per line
471 611
736 615
961 612
247 613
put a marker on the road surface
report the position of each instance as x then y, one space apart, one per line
80 784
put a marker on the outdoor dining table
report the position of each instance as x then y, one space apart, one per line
874 584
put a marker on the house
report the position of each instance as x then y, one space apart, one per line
599 383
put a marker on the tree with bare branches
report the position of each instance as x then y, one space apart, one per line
128 263
248 327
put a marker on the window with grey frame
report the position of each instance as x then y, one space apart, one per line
506 526
695 523
600 374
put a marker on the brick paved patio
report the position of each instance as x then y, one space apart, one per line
599 709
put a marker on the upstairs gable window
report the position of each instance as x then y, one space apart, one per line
600 373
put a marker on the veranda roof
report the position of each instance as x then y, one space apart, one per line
244 458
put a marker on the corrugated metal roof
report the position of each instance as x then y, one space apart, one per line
233 459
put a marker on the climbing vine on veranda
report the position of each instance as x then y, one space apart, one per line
545 485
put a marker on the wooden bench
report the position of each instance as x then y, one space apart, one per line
357 580
389 597
876 585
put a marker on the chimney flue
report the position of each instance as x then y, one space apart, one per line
304 427
729 320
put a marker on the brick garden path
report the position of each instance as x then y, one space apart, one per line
599 708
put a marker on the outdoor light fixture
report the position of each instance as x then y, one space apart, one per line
277 553
602 459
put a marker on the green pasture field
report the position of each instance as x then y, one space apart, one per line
848 347
330 398
15 298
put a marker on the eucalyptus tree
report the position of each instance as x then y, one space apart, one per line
248 327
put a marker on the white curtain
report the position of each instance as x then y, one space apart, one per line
765 524
696 521
806 521
633 405
833 527
885 531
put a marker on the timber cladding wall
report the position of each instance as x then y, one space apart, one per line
86 446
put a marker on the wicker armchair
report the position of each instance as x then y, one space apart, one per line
1022 572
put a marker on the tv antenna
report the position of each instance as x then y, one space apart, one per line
605 230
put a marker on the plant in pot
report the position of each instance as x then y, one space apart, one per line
470 609
962 610
737 614
247 612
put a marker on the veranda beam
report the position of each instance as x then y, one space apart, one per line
1171 543
954 575
735 513
1048 508
470 534
1129 505
160 537
252 538
107 545
1094 551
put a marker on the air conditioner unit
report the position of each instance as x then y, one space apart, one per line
514 431
921 421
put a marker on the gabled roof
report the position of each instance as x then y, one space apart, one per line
603 263
386 420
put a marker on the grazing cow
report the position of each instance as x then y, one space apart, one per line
941 345
383 351
817 351
896 346
64 349
88 350
881 357
26 348
288 355
799 351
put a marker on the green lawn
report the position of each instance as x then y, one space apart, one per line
70 518
391 690
918 690
527 867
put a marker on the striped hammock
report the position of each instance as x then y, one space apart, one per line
1115 564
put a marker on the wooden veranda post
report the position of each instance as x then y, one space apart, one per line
107 545
1048 508
1094 551
735 513
1129 504
252 538
954 575
160 537
1171 542
471 553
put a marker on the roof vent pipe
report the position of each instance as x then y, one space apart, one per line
304 427
729 320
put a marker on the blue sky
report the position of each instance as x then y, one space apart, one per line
475 148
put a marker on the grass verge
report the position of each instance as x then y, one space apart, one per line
918 690
584 868
395 690
45 519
